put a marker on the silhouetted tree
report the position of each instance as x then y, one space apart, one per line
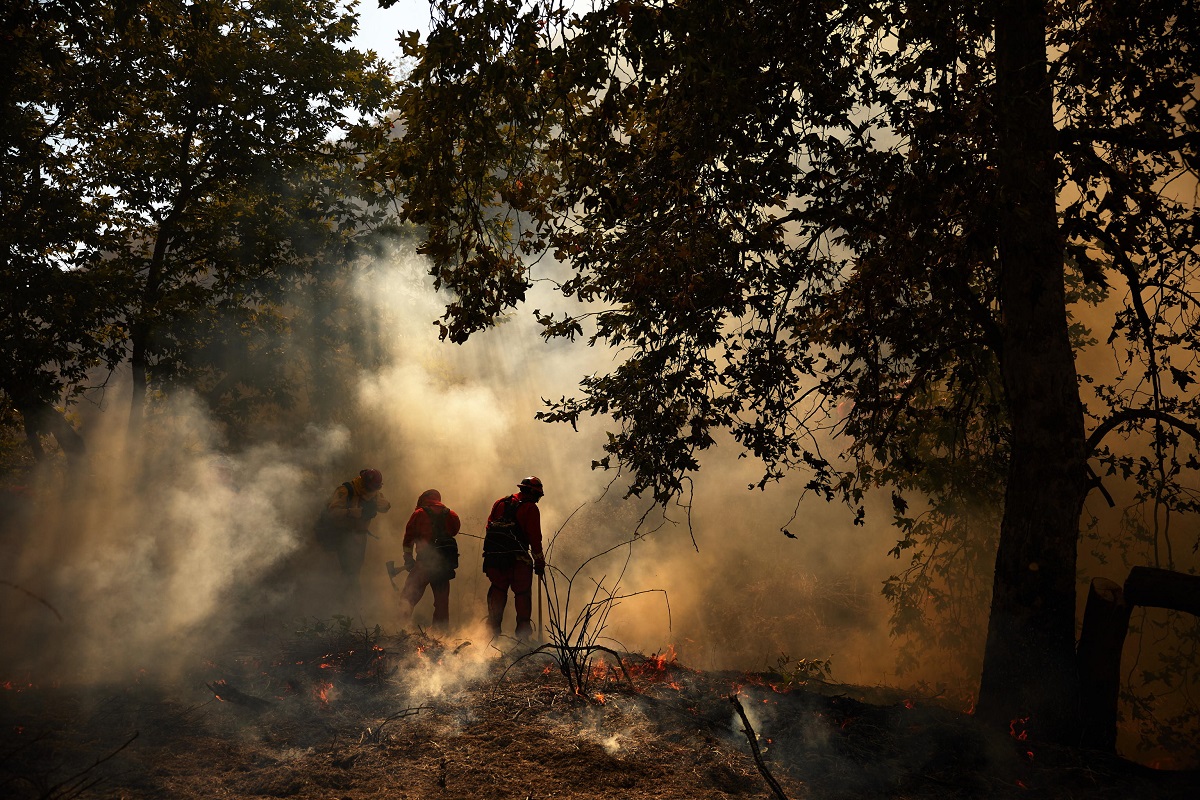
57 300
857 219
178 172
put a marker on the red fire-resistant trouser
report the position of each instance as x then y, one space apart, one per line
414 590
519 578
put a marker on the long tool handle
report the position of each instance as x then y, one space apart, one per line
541 590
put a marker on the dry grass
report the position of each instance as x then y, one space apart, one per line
356 714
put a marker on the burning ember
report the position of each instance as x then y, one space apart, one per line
1018 729
659 668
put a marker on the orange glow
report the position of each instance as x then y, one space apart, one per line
668 656
1016 729
321 691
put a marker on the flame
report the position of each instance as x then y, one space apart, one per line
669 656
657 667
599 697
321 691
909 704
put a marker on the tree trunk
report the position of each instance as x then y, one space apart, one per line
140 331
41 417
1029 659
143 325
1102 640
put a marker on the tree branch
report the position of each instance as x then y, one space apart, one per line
748 729
1137 415
1129 138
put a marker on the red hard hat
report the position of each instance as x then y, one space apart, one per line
372 479
532 484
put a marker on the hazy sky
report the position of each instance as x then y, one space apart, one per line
377 27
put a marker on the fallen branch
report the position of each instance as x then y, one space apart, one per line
752 737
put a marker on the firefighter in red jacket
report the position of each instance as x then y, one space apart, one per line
430 533
512 554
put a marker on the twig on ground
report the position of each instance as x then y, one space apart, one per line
79 783
752 737
228 693
376 735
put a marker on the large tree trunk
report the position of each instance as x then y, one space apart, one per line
1029 665
142 326
41 417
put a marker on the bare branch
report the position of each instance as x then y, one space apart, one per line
1138 415
748 729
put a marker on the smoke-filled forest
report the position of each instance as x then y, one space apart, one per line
838 361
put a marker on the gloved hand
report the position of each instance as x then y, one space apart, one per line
539 568
367 509
409 561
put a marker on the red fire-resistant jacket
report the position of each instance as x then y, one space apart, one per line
529 518
419 528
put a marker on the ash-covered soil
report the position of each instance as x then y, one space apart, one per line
344 714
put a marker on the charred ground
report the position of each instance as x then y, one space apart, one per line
340 713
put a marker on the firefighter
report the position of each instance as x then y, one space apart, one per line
430 533
512 555
353 505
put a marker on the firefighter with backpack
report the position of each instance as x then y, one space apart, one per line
512 555
344 524
430 556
